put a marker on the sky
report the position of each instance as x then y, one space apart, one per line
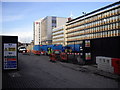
18 17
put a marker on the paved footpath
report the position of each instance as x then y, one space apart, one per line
39 72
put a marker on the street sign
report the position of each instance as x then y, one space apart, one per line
10 56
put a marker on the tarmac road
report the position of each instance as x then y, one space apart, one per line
39 72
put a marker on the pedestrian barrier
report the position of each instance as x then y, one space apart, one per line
42 52
33 51
104 63
73 53
116 65
27 51
36 52
52 57
63 56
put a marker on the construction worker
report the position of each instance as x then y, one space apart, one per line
49 51
70 50
66 50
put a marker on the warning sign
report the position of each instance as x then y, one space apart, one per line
87 43
10 56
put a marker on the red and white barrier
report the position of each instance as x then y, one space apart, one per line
108 64
116 65
73 53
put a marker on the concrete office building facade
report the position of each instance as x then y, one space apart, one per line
45 29
37 32
101 23
58 35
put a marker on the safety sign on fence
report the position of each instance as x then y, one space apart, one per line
87 43
10 56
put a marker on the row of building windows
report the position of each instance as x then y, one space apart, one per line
53 22
58 35
75 42
96 35
96 29
57 29
91 30
95 24
54 42
58 39
58 43
95 18
61 35
58 32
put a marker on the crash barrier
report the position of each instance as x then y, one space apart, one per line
33 51
28 51
73 53
52 57
116 65
104 63
63 56
69 56
108 64
36 52
42 52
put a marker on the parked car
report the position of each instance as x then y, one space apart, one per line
22 49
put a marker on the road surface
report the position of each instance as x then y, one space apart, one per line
39 72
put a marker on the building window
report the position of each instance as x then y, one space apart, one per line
53 19
53 24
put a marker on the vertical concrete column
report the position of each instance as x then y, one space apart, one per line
65 35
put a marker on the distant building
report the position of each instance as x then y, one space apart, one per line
43 29
37 31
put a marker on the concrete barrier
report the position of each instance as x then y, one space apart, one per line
104 63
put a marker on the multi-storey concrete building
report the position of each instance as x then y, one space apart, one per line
43 29
58 35
101 23
37 31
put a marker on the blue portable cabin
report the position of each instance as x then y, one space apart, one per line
50 46
36 47
74 47
55 47
43 47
